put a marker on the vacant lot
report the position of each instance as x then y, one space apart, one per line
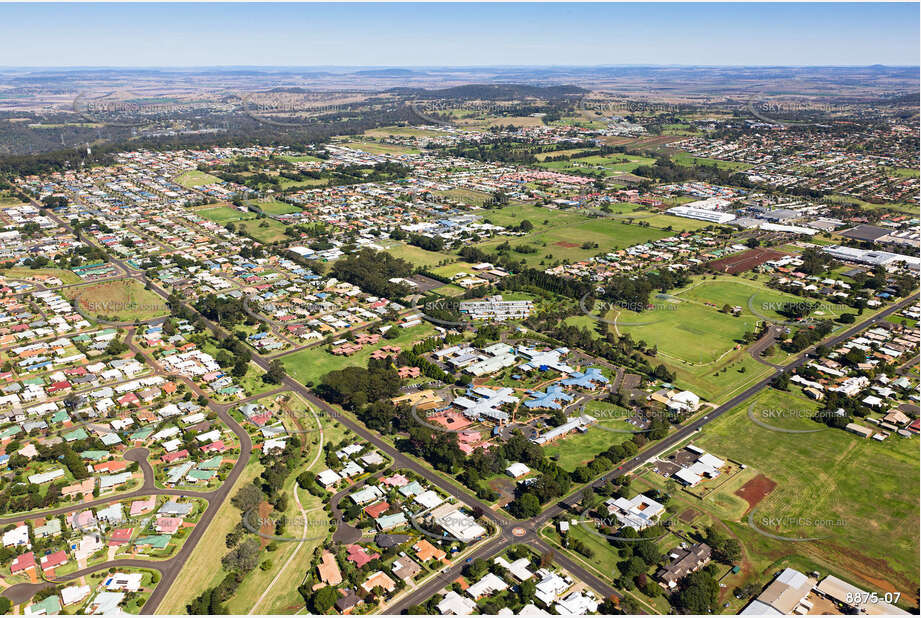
194 178
124 301
418 256
856 494
745 261
683 158
609 165
313 363
574 237
263 230
36 274
467 196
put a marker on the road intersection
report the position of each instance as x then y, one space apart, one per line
509 531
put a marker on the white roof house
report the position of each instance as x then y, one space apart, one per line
517 470
455 605
489 584
638 513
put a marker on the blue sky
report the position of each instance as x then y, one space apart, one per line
457 34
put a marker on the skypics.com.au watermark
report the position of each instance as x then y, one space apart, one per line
129 110
793 112
810 311
794 529
265 526
595 419
767 418
113 307
644 309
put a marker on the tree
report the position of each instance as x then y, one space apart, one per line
528 505
5 605
276 372
323 599
697 594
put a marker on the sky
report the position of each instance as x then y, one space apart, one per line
443 34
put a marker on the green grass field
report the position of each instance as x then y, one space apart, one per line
677 224
678 326
194 178
580 448
125 300
418 256
610 165
299 158
855 493
563 239
224 214
274 207
313 363
377 148
909 209
684 158
468 196
263 230
22 272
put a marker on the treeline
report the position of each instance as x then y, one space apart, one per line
372 270
245 549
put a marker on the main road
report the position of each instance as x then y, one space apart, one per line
509 531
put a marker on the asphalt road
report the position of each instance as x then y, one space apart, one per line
509 531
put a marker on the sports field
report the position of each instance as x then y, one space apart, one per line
223 214
194 178
829 485
467 196
274 207
684 158
688 326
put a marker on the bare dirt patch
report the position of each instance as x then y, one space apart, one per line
744 261
755 490
567 245
688 515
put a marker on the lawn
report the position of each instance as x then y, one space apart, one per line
580 448
467 196
610 165
299 158
736 291
402 131
125 300
194 178
418 256
209 551
677 224
910 209
22 272
857 493
313 363
223 214
274 207
677 325
377 148
263 230
564 237
684 158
